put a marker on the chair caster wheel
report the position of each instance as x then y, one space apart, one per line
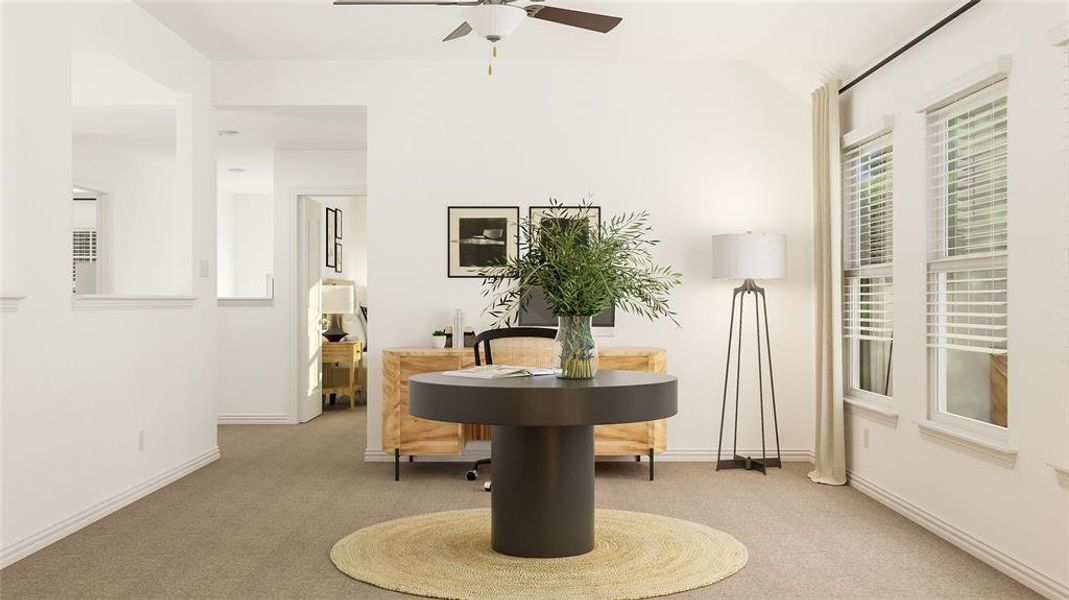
486 486
472 475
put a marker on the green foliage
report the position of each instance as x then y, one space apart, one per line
439 333
582 269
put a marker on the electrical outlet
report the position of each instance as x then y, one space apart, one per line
865 437
140 440
205 268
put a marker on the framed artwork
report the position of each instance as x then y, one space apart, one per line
337 257
330 224
481 237
338 229
571 213
537 313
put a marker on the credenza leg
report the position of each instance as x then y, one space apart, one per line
651 464
397 464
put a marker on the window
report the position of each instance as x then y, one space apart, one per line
967 249
85 248
85 251
868 342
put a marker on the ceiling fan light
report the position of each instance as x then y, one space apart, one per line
494 21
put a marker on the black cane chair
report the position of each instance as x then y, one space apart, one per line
519 347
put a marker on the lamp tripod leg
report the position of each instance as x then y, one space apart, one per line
727 369
771 382
738 376
760 383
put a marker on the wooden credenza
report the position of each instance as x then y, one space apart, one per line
405 435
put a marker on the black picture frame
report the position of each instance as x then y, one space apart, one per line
535 211
338 257
339 230
330 226
467 257
537 313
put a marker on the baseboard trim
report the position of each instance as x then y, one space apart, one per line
1013 568
253 419
709 454
706 455
32 543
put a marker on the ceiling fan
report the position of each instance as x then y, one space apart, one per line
494 19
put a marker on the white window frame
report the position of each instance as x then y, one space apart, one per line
853 275
975 81
937 381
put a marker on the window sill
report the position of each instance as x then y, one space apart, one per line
120 302
10 302
245 301
997 452
874 410
1062 472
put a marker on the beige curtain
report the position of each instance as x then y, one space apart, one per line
829 460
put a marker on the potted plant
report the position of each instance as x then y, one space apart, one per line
582 269
438 338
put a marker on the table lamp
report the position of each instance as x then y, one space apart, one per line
336 300
749 256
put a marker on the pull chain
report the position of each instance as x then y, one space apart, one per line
493 55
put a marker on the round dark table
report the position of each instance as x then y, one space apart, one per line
543 446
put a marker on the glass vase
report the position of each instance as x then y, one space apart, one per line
578 352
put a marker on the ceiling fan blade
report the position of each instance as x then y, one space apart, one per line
404 3
574 18
459 32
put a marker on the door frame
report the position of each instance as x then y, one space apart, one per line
296 269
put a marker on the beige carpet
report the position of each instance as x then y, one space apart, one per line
448 555
259 523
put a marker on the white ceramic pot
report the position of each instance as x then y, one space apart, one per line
437 341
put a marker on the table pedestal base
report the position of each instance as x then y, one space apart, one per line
542 504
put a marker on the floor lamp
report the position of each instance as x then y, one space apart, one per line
749 256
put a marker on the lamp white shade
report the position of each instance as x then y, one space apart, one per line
749 256
494 21
337 299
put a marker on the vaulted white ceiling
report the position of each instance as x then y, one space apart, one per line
795 42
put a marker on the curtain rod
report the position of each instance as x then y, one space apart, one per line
927 32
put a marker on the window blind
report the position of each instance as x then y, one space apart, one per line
85 250
967 223
867 240
867 308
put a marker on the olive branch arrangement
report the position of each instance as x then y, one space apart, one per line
581 268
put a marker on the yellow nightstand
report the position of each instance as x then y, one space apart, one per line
347 354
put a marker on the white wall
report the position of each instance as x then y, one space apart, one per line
257 347
224 245
69 444
138 176
706 147
246 247
1021 512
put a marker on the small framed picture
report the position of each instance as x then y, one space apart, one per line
481 237
339 230
330 225
338 257
591 214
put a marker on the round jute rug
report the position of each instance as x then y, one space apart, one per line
448 555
